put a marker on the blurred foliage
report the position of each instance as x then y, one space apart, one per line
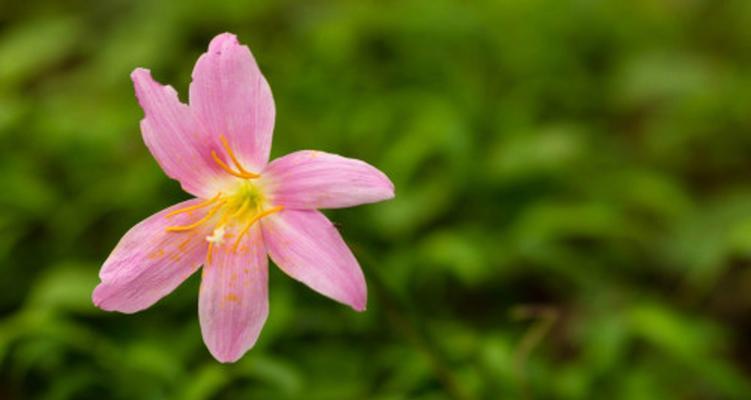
573 211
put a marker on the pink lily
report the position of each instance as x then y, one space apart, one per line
218 147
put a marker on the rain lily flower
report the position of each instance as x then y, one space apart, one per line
244 208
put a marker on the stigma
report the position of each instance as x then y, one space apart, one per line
217 237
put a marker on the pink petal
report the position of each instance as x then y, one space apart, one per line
172 136
148 263
307 247
233 303
230 97
313 179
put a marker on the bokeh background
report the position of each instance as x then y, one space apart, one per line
573 210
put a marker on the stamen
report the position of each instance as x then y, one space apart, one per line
208 254
243 173
223 220
195 206
197 223
228 169
242 209
231 155
252 221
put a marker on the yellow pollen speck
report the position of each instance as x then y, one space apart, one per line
183 246
158 253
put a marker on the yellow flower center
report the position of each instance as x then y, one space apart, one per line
233 214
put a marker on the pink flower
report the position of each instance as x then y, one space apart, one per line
217 147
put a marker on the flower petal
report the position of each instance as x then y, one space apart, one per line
148 263
307 247
314 179
230 97
233 303
171 134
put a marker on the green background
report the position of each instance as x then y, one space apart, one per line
572 220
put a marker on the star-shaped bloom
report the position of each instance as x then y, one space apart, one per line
244 208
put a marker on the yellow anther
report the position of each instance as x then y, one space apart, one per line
195 206
252 221
197 223
231 155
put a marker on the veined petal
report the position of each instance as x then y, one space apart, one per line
233 303
171 134
314 179
230 97
148 263
307 247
